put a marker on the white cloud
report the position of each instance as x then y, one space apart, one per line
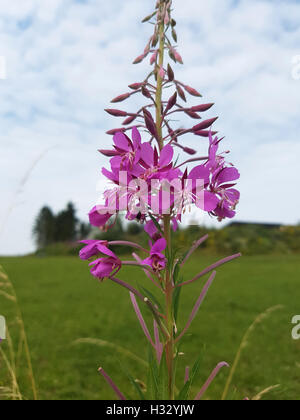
66 60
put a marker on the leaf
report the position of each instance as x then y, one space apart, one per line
133 382
151 296
176 300
163 379
152 388
185 391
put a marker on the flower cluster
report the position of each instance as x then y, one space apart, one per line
149 182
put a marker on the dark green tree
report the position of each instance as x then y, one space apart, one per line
44 228
66 224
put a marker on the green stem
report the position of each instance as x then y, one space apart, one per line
169 343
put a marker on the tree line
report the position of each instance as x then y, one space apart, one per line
50 228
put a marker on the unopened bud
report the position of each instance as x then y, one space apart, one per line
120 98
116 112
139 59
135 86
177 56
115 130
171 75
204 124
181 93
189 151
192 91
205 133
161 73
201 108
146 92
153 58
192 114
129 120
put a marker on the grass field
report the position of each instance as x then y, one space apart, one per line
61 303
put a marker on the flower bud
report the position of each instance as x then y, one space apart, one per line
120 98
189 151
153 58
116 130
177 56
146 92
181 93
172 101
204 124
147 18
205 133
161 73
129 120
192 91
139 59
108 153
171 75
201 108
135 86
116 112
192 114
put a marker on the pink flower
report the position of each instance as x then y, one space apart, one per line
126 153
228 197
92 248
158 167
157 260
98 216
107 266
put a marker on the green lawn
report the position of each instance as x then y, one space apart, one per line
61 302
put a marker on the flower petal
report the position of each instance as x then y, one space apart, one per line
166 156
121 142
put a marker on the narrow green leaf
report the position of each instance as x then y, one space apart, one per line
151 296
176 301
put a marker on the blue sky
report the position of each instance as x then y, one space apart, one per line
65 61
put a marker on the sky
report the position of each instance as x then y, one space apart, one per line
65 61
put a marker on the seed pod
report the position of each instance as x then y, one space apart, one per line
120 98
204 124
192 91
116 112
201 108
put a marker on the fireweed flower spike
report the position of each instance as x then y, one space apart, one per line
155 186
